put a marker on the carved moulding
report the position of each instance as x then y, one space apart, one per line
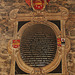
67 45
40 70
27 68
35 17
15 15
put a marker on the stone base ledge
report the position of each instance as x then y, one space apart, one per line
46 74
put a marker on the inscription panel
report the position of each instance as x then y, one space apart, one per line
38 45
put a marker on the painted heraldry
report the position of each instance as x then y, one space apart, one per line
37 4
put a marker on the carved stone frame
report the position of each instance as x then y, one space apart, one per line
61 53
58 55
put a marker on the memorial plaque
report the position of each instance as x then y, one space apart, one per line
38 45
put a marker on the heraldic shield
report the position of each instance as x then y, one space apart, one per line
38 4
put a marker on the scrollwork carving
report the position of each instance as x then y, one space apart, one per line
67 45
59 50
37 71
13 14
64 11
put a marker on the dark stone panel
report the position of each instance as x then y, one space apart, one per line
57 22
18 70
21 23
58 69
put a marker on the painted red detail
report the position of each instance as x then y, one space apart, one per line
48 0
38 4
28 2
59 42
16 43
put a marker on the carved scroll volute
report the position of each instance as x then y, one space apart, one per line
64 12
37 71
13 14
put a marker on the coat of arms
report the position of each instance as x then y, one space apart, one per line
37 4
16 43
59 42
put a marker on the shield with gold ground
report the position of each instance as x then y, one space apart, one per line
38 4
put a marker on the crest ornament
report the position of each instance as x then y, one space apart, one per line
16 43
37 5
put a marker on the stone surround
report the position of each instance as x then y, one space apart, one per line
7 28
